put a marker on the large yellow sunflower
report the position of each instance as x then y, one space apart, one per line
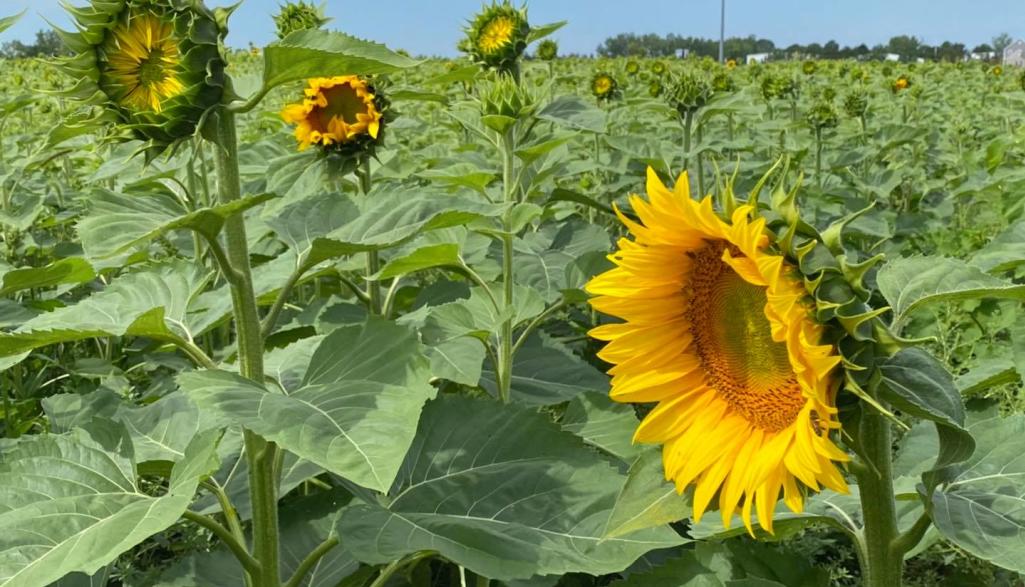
143 62
717 331
336 110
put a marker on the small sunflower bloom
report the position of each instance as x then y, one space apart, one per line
900 84
633 67
340 112
731 64
717 329
604 86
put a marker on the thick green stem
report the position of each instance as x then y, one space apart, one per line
260 454
688 123
505 343
881 561
700 164
373 261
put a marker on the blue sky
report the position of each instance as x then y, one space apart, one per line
433 26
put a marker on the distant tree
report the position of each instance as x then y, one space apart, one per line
983 48
908 47
1001 41
48 44
950 51
831 50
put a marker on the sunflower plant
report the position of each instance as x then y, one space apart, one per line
514 336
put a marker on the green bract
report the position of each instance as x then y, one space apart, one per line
299 16
182 71
497 36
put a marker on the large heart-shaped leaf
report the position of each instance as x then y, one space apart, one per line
355 414
502 491
71 504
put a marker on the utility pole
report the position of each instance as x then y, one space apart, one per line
722 30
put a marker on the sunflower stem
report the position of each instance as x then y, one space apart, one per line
260 454
373 260
881 559
688 123
505 345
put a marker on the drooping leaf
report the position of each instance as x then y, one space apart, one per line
912 282
318 53
982 510
916 383
501 491
356 412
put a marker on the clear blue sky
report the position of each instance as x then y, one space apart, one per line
433 27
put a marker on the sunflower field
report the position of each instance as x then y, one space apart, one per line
323 314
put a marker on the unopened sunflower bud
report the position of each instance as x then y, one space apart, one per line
497 37
299 16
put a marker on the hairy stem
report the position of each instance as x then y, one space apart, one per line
260 454
881 563
505 344
373 261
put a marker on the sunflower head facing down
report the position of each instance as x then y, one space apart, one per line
155 63
497 36
339 114
717 331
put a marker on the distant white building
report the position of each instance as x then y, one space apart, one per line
1014 54
757 58
983 56
892 57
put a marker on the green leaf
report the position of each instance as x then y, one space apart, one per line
501 491
118 222
982 510
683 571
8 21
392 216
155 302
916 383
160 431
73 271
545 372
71 504
549 260
1004 253
317 53
647 500
300 223
459 360
912 282
441 255
539 32
603 423
574 113
356 413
